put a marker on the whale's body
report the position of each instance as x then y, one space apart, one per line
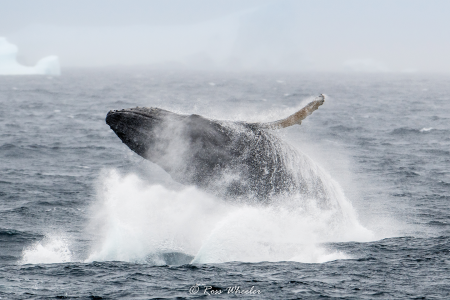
233 159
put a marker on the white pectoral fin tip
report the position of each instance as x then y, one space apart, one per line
297 117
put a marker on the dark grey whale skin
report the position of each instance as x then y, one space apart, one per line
232 159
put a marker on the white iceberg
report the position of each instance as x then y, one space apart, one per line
9 66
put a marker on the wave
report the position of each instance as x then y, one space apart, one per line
424 130
437 152
342 128
8 234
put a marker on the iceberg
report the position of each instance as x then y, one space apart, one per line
9 66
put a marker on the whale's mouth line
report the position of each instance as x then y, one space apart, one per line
152 113
112 112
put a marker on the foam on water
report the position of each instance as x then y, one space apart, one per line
139 222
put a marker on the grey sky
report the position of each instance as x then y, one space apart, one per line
295 35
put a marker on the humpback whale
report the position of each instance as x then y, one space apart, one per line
231 159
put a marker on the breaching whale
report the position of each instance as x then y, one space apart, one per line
232 159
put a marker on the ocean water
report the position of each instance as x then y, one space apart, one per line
84 217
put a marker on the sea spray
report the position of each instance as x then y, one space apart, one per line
141 222
136 222
52 249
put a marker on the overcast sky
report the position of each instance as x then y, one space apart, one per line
291 35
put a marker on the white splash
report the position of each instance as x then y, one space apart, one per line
9 66
136 222
52 249
426 129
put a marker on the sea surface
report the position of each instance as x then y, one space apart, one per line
84 217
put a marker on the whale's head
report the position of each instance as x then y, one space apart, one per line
140 128
188 147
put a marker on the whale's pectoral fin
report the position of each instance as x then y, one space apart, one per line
295 118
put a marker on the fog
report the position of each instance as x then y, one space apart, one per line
297 36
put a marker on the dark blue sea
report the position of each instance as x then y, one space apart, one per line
84 217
